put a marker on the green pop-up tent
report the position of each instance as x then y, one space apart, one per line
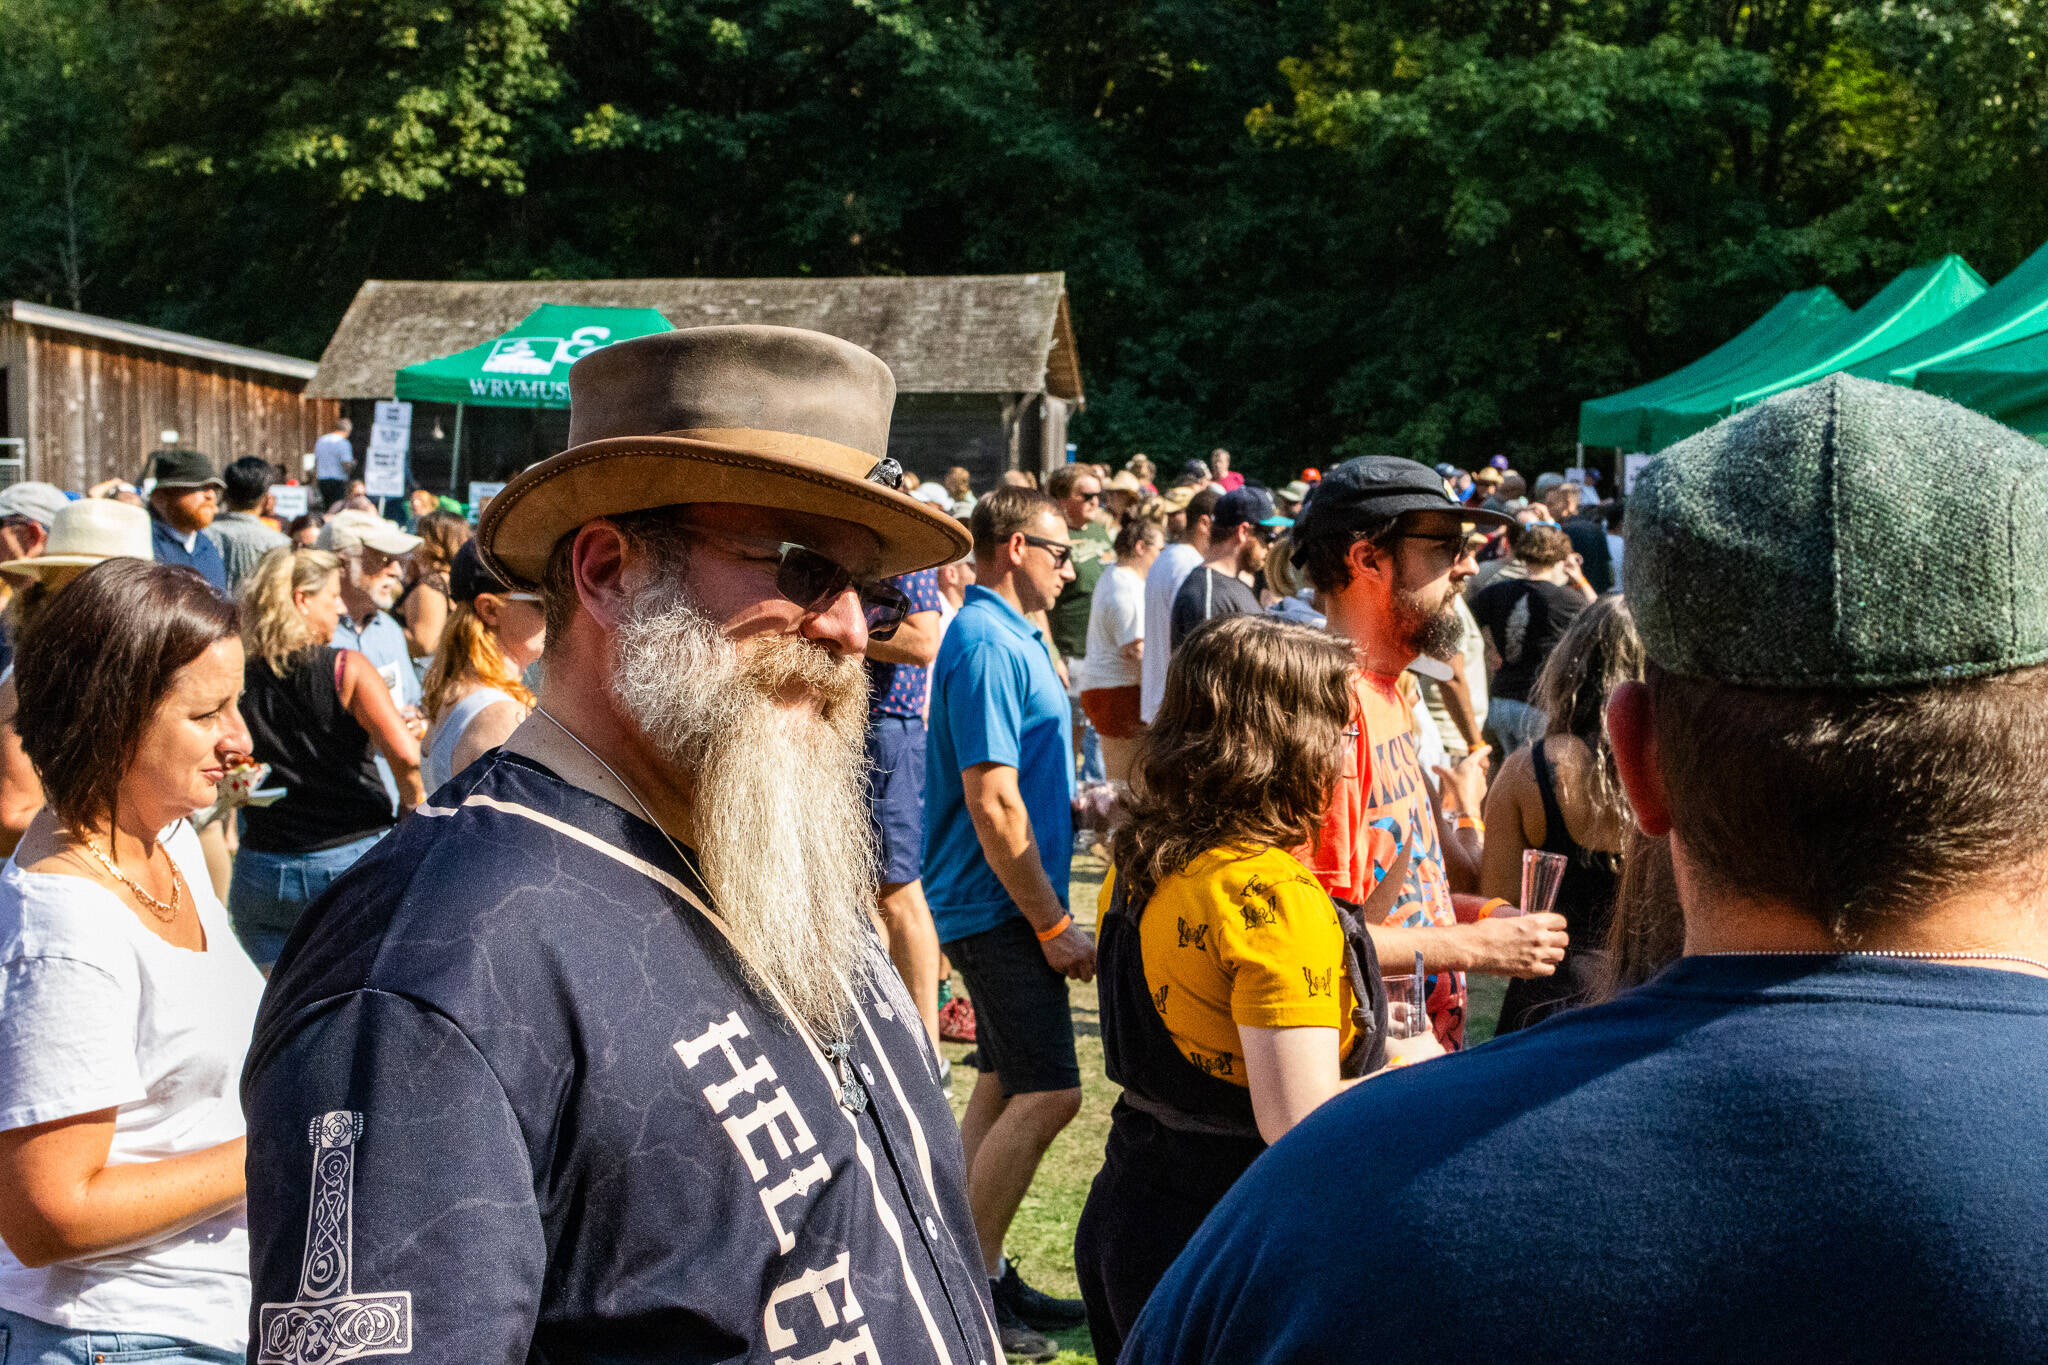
1622 419
2012 310
2008 382
527 367
1915 301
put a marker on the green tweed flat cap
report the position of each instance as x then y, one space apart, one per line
1847 534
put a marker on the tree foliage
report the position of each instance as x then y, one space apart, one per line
1300 228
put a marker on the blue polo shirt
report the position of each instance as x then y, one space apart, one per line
194 550
994 699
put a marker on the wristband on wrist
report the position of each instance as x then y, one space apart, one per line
1466 820
1060 926
1497 903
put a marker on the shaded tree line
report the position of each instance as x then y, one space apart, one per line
1299 228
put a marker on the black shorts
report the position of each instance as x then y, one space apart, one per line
1023 1024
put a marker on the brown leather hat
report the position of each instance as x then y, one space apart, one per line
766 416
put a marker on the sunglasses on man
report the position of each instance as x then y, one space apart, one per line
813 580
1060 551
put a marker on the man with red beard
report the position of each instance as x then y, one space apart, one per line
1387 548
598 1058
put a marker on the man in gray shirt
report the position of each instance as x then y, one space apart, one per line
1241 533
240 531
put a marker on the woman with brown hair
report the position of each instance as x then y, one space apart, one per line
426 602
474 696
317 716
1228 978
126 1005
1561 795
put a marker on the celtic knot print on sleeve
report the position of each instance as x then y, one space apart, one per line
329 1323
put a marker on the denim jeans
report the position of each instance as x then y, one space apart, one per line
1515 724
26 1341
270 890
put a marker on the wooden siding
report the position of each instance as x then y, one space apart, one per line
91 408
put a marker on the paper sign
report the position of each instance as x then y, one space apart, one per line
288 500
390 437
1632 465
479 494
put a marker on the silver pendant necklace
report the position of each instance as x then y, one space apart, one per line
1885 952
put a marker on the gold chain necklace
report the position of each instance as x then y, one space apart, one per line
164 913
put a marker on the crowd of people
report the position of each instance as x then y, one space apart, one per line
533 941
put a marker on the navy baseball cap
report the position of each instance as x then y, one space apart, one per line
1367 493
1244 505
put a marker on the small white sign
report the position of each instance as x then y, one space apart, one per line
384 472
1632 465
390 438
479 494
288 500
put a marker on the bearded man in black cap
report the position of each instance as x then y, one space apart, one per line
597 1058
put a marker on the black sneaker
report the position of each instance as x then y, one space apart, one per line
1032 1308
1020 1342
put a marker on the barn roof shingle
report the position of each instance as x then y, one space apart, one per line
938 333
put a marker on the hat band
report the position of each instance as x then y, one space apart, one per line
836 458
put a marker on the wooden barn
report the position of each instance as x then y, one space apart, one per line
986 372
86 398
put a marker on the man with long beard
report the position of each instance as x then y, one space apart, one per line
598 1059
1387 549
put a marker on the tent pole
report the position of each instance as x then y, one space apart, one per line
455 455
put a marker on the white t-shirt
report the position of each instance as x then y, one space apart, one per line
97 1012
1175 563
1115 618
332 455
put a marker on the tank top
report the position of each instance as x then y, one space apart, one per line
316 752
438 766
1586 900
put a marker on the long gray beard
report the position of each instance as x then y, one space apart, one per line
779 800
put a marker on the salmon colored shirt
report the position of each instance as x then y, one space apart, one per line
1382 805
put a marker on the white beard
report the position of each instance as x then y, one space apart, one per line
779 795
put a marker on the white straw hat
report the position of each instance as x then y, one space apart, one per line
87 531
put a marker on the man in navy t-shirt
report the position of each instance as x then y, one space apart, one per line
1811 1137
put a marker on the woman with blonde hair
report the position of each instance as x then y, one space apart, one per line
475 698
318 716
426 602
1230 983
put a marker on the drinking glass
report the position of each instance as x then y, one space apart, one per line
1542 874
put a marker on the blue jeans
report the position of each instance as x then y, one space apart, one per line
1516 724
26 1341
269 890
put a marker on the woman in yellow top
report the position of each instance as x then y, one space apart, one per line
1227 990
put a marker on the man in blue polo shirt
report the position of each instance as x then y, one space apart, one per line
182 503
998 837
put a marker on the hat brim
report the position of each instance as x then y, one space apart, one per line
633 473
175 484
37 565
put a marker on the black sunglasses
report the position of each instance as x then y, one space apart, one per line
1060 551
812 580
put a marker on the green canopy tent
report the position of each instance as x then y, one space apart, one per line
527 367
1915 301
1621 419
2008 382
2012 310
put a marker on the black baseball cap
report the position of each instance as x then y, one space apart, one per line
469 578
1366 493
1242 505
183 469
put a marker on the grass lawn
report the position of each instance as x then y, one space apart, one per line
1042 1238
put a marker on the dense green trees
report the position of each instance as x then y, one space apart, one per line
1296 228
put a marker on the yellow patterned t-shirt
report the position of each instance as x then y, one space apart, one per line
1238 938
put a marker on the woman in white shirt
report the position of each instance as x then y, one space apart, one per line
474 697
126 1003
1109 677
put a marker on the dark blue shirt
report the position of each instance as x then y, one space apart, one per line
899 689
510 1099
995 699
1758 1159
204 556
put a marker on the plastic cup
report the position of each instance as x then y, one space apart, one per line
1542 875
